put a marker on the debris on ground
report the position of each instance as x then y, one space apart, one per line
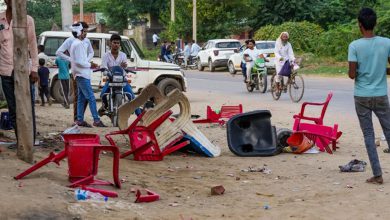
264 170
265 194
174 204
354 166
217 190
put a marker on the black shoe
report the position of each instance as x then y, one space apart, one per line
99 124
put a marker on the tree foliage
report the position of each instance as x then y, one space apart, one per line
45 13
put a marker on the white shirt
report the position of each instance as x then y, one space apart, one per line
253 54
283 51
109 61
195 49
79 59
187 50
66 47
155 38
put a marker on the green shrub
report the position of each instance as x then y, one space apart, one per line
303 35
383 28
335 41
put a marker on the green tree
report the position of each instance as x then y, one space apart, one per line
45 13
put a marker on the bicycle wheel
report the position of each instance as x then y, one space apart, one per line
263 82
296 88
274 90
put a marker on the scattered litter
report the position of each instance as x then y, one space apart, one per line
72 130
312 150
230 174
266 207
336 183
299 200
123 180
354 166
174 204
264 170
265 194
197 177
349 187
217 190
380 190
149 197
238 178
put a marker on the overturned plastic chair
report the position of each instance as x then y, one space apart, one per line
83 152
251 134
314 128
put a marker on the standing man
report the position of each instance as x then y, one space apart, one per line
187 53
163 51
63 76
155 39
61 53
81 68
368 58
7 60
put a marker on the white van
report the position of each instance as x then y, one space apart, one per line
166 76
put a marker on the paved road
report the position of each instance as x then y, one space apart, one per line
316 88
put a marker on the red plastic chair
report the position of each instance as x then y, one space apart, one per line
224 115
83 152
322 135
143 141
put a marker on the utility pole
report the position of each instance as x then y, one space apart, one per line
173 10
194 20
66 14
24 120
81 10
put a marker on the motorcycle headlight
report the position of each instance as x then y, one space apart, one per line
117 79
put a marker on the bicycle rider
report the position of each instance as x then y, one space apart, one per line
283 53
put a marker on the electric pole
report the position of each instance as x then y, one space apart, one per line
173 10
194 20
81 10
66 14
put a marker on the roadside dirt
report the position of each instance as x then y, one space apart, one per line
307 186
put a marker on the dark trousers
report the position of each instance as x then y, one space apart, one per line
365 106
44 91
75 95
65 90
9 87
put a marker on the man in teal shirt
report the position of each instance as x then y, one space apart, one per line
63 76
368 58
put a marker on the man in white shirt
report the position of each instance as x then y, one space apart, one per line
250 55
81 69
155 39
187 52
61 53
195 48
110 59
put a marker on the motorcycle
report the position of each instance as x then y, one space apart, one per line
258 77
117 80
178 58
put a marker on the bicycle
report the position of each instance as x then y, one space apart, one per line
295 86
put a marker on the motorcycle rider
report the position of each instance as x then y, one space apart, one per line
115 58
187 53
250 55
243 63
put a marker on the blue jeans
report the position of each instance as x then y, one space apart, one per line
128 91
85 93
364 107
168 58
243 68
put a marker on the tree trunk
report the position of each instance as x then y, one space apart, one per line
66 14
22 84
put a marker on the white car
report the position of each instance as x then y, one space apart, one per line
216 53
166 76
266 47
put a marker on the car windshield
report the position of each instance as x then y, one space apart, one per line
265 45
228 45
136 47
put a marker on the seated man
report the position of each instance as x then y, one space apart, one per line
110 59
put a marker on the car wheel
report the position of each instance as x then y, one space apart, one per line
167 85
200 67
57 94
231 68
211 66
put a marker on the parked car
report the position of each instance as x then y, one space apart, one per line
266 47
166 76
216 53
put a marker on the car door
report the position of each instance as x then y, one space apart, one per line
203 53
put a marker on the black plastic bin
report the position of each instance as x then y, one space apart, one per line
251 134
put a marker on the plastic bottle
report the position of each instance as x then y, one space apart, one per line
80 194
